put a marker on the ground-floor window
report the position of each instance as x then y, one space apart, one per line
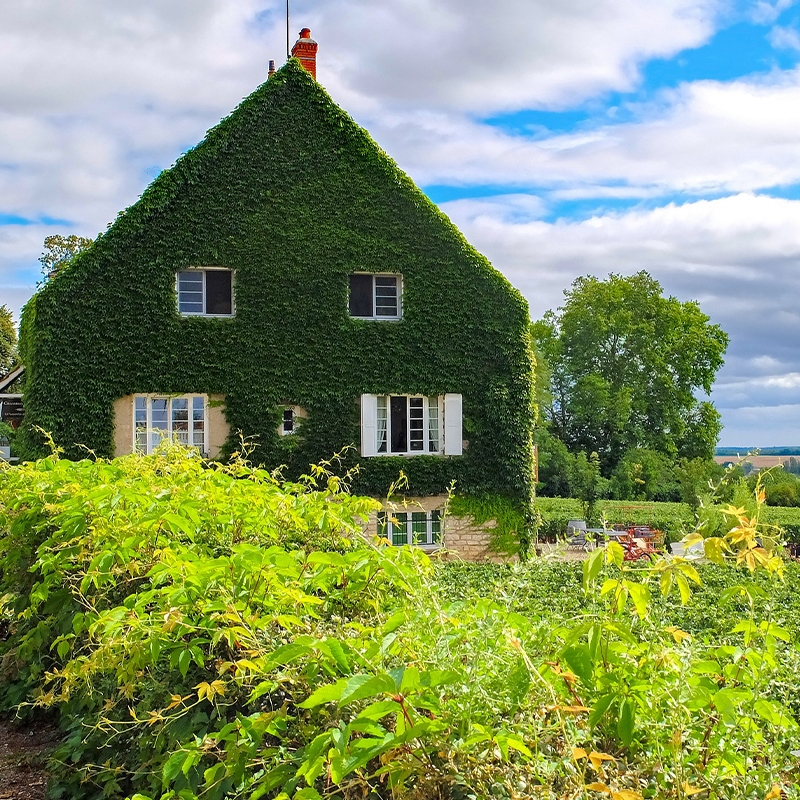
182 419
410 527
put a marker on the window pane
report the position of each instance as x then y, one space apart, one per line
416 413
198 422
436 527
219 299
190 292
383 525
159 420
385 296
288 420
433 424
361 296
398 410
382 419
180 420
399 528
140 423
419 527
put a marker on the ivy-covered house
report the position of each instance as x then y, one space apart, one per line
287 283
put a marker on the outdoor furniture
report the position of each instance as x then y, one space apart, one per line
696 550
637 547
576 535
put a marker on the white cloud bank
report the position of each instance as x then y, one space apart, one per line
738 256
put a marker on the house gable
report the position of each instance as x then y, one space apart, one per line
294 197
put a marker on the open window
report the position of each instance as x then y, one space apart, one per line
205 292
410 425
375 296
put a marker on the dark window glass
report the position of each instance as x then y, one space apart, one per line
288 420
399 529
218 292
398 423
361 296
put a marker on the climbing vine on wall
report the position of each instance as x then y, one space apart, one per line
293 196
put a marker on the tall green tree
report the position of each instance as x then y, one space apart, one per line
59 251
625 366
8 341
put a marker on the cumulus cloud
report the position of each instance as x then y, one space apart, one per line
738 256
703 137
475 56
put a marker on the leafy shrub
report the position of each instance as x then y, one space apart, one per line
196 645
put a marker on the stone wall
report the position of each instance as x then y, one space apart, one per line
462 538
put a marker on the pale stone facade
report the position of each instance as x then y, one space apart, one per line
462 537
218 429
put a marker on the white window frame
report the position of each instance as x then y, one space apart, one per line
203 271
448 425
434 524
375 317
149 444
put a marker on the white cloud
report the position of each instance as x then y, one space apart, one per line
738 256
706 136
764 12
784 38
505 55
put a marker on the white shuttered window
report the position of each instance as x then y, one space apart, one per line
410 425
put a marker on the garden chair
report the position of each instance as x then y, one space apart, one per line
576 535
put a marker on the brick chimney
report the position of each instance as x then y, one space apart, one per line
305 49
271 68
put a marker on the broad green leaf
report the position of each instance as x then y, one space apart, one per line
172 766
361 687
625 723
774 713
591 568
601 707
580 662
329 693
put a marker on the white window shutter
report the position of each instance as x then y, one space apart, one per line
452 425
369 425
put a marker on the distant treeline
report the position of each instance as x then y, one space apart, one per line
762 451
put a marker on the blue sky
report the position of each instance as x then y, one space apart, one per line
564 137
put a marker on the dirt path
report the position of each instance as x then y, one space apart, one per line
23 752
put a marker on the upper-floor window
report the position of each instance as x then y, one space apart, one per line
375 296
205 292
182 419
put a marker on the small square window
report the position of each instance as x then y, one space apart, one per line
205 292
375 296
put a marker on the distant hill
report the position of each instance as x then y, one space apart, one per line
762 451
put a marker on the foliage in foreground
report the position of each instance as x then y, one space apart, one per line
211 632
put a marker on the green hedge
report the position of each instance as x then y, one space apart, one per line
294 196
675 519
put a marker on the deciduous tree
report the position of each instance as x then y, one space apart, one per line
626 364
8 340
59 251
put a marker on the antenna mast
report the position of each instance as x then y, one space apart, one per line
288 52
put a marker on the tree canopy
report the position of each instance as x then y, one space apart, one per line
59 251
8 341
625 365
